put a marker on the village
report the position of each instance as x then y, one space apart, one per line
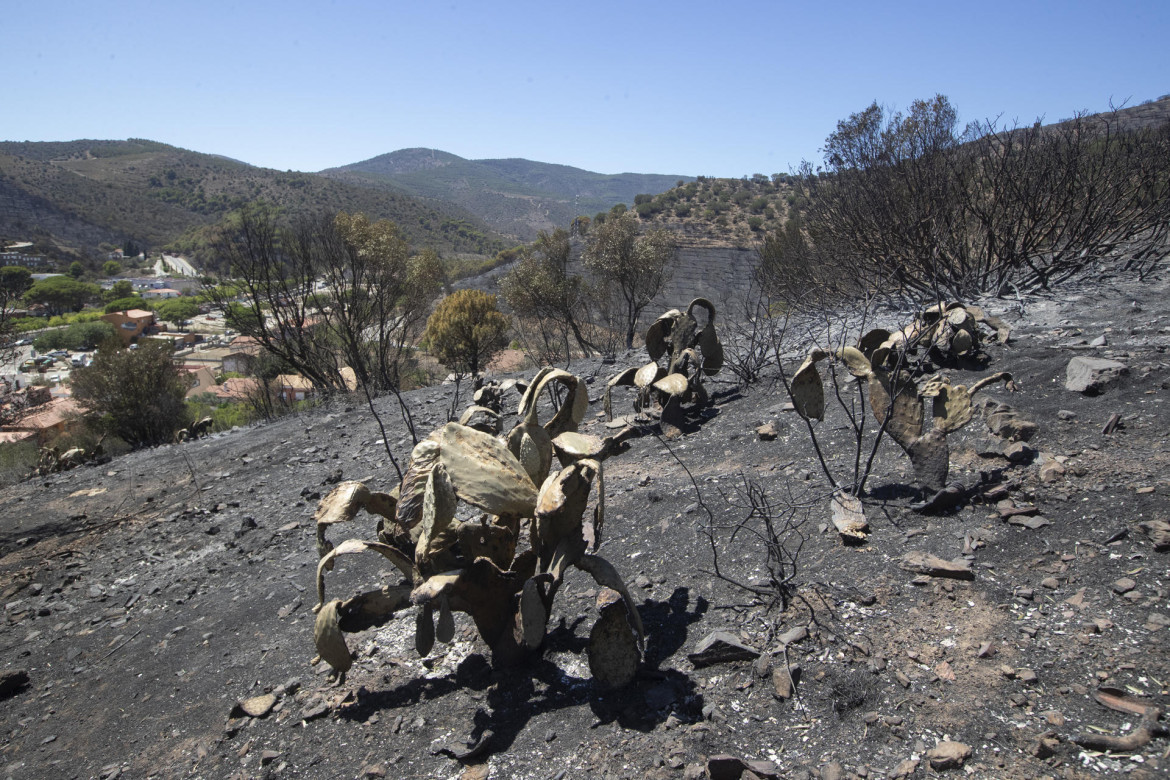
39 408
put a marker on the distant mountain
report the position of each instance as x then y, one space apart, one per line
81 193
515 196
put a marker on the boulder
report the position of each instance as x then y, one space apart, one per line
1090 375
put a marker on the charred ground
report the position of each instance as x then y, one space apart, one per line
147 596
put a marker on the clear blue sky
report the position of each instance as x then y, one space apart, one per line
725 88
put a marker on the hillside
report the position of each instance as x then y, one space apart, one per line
515 196
738 212
84 192
172 583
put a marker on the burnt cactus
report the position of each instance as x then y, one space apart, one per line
474 563
898 404
692 353
947 331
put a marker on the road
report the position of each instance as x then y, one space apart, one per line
173 264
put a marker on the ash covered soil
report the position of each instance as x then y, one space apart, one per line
147 596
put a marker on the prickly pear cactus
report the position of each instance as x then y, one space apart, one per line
449 563
691 353
897 403
948 331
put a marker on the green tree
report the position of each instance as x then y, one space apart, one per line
177 310
137 393
14 281
111 268
466 330
123 288
124 304
540 288
62 293
76 269
76 336
633 266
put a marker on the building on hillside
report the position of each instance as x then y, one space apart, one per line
202 380
17 254
237 389
212 358
242 354
47 421
158 293
131 324
293 388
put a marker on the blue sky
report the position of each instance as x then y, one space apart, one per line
698 88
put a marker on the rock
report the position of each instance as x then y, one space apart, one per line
1051 471
793 635
1092 376
1050 582
268 756
764 769
1045 746
1027 676
315 710
1100 341
1124 585
1066 415
906 768
784 681
986 650
725 767
948 755
1007 424
833 771
1159 533
477 772
766 432
1019 452
932 565
721 647
255 707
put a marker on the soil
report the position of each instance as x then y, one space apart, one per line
147 596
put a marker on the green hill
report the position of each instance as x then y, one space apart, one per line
515 196
81 193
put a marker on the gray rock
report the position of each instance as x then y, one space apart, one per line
721 647
1092 375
